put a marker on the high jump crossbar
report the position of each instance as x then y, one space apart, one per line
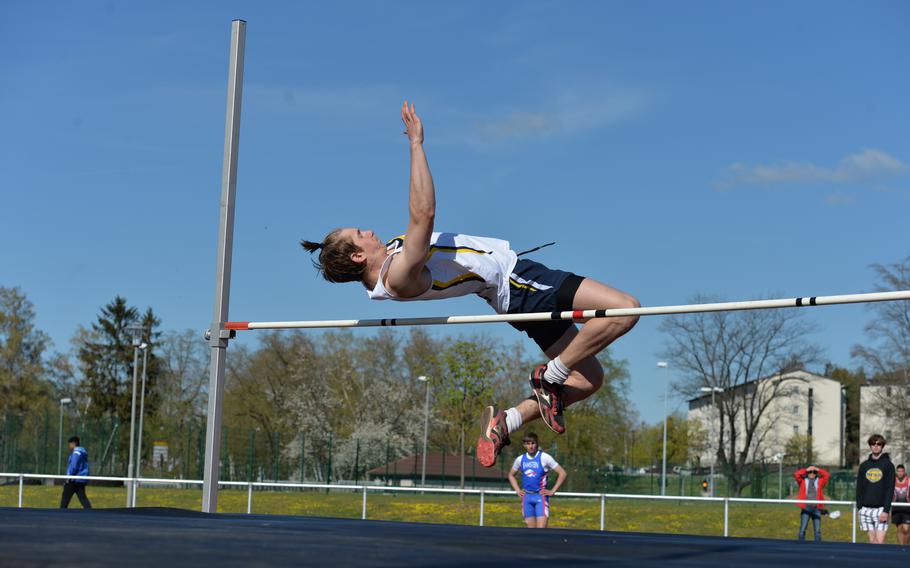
583 314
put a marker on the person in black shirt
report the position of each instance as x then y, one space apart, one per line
875 490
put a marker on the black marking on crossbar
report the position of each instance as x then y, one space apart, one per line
556 315
600 313
812 301
799 302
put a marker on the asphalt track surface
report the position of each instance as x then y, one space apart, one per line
167 538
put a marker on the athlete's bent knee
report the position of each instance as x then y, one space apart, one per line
629 302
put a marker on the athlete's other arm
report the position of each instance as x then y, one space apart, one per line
406 276
514 483
560 478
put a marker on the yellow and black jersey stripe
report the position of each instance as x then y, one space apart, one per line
460 279
398 242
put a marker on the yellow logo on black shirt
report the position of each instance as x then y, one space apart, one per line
874 474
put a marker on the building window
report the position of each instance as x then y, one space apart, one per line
796 410
796 429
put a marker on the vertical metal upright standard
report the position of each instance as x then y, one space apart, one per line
145 362
218 336
426 429
663 469
137 339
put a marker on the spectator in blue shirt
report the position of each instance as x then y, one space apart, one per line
78 465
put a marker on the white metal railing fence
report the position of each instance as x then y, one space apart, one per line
482 493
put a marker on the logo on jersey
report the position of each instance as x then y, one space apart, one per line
531 472
874 475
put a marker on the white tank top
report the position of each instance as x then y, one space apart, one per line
459 265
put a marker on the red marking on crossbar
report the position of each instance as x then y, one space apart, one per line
237 325
578 314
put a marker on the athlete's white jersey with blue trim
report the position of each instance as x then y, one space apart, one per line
459 265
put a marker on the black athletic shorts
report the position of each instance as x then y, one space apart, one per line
900 515
535 288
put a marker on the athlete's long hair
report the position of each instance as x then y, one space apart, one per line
334 261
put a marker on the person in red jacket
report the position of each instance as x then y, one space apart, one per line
811 481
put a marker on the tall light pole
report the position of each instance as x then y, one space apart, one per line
60 446
780 475
136 332
145 360
663 469
426 430
714 436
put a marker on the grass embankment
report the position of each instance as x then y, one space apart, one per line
673 517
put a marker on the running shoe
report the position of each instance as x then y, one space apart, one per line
550 400
494 435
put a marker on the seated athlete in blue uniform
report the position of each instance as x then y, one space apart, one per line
535 497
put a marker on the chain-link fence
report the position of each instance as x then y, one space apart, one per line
37 443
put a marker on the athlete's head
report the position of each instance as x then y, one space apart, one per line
341 254
876 444
530 442
73 442
900 471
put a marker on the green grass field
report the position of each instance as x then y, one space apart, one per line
673 517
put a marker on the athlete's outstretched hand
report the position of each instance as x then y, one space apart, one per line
413 125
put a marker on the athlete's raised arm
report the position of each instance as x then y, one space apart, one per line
406 276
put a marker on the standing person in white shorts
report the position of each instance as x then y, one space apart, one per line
875 490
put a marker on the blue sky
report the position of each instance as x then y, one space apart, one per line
740 150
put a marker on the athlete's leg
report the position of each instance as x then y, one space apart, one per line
596 334
531 509
548 381
544 516
903 534
803 525
69 489
83 498
584 379
541 511
578 350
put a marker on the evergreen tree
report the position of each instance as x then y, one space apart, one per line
851 381
106 355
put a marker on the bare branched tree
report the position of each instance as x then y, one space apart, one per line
736 351
887 357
